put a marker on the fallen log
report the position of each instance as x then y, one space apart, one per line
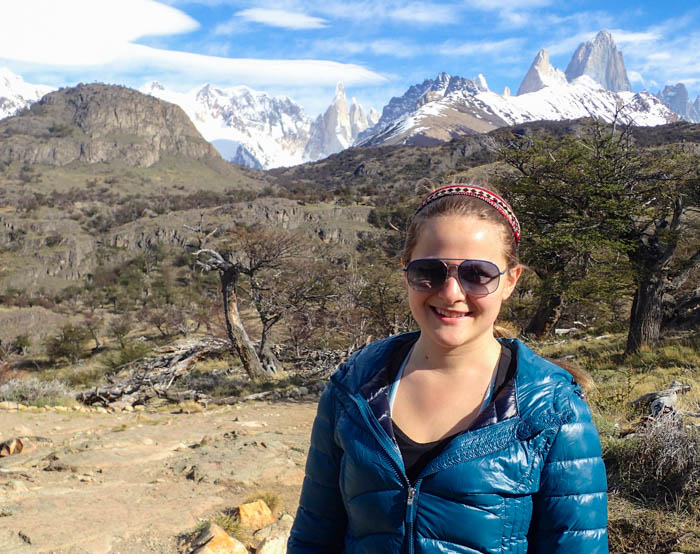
152 377
660 401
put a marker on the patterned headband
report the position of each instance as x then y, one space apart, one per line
482 194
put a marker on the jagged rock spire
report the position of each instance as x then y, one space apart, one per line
541 74
601 61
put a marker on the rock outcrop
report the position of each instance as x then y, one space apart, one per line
601 61
100 123
541 74
676 98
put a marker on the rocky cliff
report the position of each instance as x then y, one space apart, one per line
600 60
100 123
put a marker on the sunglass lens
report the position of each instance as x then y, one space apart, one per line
478 277
426 275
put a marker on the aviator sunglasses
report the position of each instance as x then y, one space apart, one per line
476 277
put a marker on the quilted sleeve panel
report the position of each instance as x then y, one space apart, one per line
570 509
321 519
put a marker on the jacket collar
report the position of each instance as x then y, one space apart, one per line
369 374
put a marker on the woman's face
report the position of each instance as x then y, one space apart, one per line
449 318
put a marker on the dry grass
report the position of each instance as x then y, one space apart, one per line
271 498
645 530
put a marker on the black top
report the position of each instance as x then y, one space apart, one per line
417 455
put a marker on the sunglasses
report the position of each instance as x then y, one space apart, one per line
476 277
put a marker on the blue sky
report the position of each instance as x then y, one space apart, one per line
302 49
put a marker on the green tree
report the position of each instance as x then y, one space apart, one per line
584 198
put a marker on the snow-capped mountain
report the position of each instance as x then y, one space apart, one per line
247 127
254 129
339 127
676 98
447 106
15 94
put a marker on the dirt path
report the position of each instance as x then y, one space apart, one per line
131 482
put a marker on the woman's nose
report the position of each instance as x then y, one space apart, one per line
451 287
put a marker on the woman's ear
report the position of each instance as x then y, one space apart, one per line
511 279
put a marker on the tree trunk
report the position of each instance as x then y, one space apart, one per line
270 363
547 314
234 327
647 314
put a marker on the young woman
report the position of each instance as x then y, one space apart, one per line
447 439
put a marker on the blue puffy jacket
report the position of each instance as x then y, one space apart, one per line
526 477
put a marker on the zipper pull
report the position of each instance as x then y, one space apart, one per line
411 494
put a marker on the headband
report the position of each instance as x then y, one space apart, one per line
482 194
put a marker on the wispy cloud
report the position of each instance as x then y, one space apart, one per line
623 37
509 5
425 13
379 47
282 18
413 13
452 48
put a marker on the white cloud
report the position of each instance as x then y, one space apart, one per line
635 77
282 18
568 45
424 13
83 32
91 39
627 37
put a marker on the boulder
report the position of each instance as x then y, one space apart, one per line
273 545
255 515
214 540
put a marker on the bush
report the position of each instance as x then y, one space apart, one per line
128 353
660 463
68 344
34 392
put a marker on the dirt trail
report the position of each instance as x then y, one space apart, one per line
131 482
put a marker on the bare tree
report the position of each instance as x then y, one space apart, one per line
229 272
211 260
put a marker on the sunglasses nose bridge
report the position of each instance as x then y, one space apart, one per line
452 270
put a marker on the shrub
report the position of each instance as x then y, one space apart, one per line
660 463
34 392
128 353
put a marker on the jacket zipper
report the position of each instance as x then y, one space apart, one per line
410 515
398 471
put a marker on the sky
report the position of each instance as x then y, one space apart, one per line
377 48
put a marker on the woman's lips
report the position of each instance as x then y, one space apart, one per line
452 314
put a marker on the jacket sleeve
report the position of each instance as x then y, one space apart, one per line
570 511
321 519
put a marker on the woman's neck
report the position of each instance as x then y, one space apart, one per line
479 357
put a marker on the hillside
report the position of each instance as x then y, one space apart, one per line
391 167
